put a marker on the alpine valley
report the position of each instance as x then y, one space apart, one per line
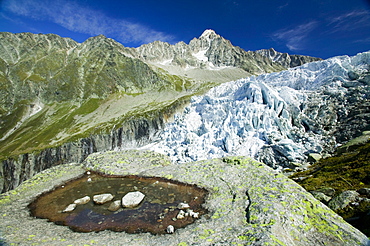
209 113
61 100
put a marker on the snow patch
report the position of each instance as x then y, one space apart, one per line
207 33
201 55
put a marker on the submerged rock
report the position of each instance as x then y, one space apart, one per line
114 206
248 204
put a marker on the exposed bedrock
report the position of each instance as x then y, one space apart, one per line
248 204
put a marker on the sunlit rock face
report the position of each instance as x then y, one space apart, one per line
160 204
278 118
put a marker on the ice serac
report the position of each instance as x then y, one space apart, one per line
278 118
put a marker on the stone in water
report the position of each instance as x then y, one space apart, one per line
183 205
132 199
69 208
114 206
82 200
170 229
103 198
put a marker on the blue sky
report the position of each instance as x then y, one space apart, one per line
322 28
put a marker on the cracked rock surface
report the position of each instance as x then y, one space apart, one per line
248 204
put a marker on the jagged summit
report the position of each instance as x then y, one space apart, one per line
209 33
211 58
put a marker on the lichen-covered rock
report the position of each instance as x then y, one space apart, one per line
343 200
248 204
320 196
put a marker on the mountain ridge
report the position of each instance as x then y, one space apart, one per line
213 52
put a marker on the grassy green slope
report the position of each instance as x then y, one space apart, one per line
347 170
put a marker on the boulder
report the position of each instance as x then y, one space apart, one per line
103 198
364 191
170 229
314 157
327 191
180 215
343 200
183 205
132 199
320 196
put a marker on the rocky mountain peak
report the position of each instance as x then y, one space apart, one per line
209 34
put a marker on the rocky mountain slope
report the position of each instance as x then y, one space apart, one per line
278 118
61 100
285 59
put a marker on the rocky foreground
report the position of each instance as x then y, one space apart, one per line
248 204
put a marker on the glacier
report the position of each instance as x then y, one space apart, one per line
278 118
